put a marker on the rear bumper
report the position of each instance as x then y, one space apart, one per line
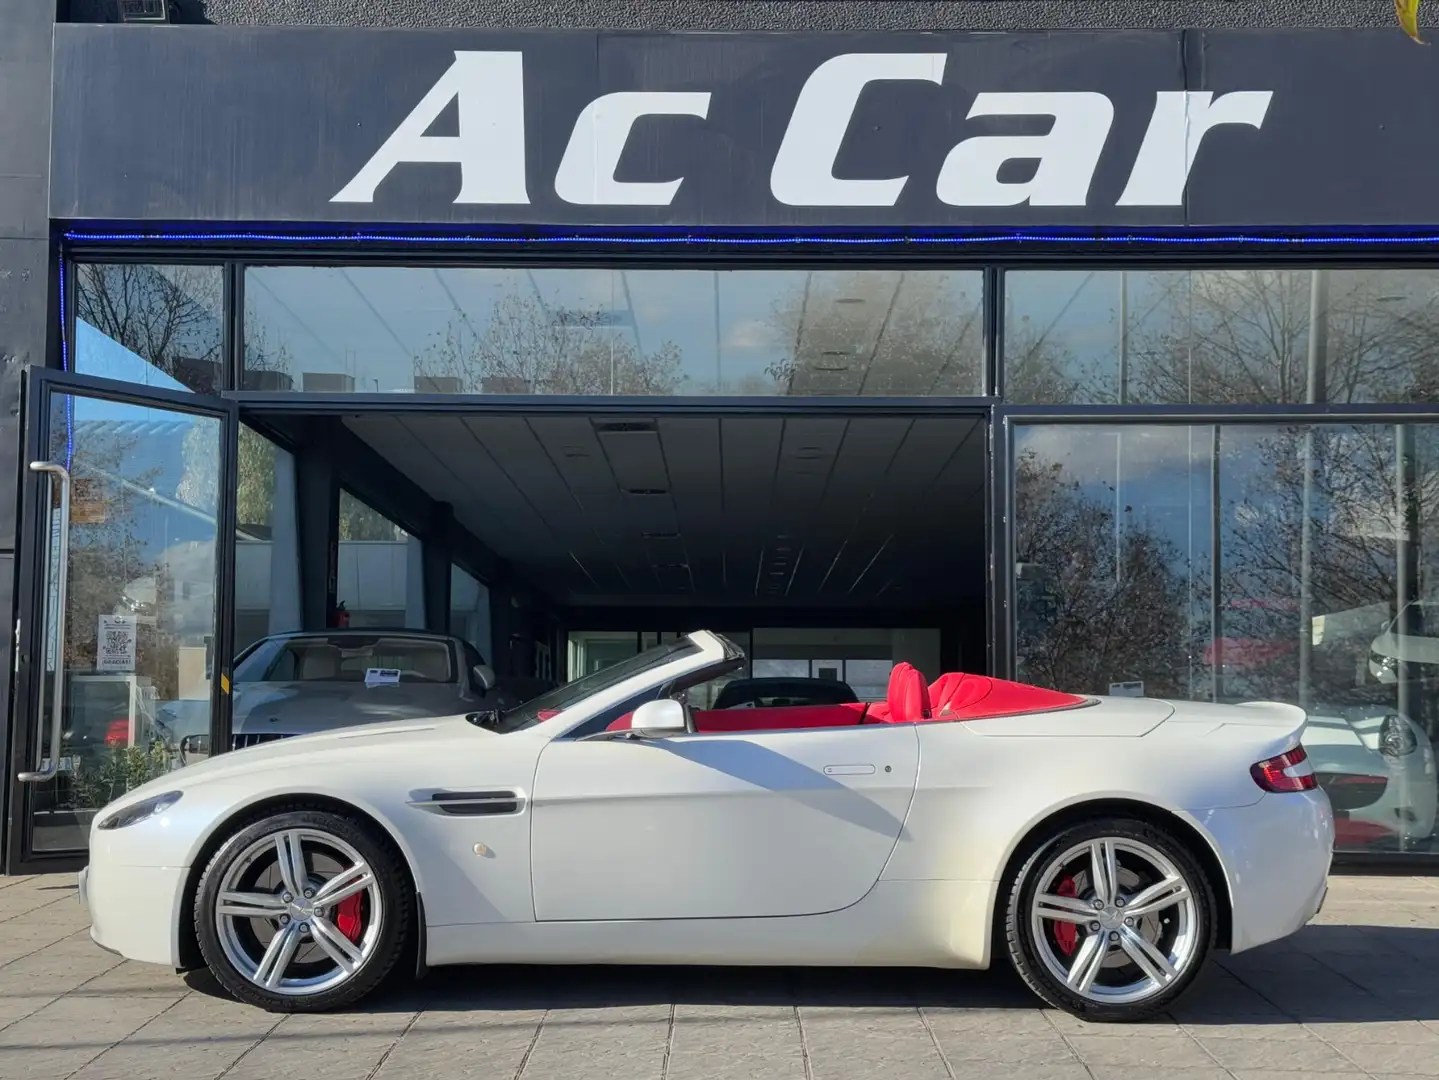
1276 854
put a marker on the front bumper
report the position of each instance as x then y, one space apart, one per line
134 910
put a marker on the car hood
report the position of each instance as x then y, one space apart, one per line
301 708
362 739
1409 647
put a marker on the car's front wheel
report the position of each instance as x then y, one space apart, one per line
303 911
1110 919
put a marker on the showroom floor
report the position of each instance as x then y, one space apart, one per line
1355 995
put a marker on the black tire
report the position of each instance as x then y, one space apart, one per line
397 920
1023 949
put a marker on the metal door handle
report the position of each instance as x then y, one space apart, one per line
47 770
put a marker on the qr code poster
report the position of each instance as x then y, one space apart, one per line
115 643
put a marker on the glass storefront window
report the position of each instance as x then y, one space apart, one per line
1231 336
594 331
1237 562
380 579
138 652
156 325
267 554
470 611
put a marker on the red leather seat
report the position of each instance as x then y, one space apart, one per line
907 701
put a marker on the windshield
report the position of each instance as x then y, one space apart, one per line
561 698
1414 616
356 658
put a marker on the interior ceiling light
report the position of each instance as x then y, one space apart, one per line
576 452
624 427
850 300
143 11
809 453
646 491
659 536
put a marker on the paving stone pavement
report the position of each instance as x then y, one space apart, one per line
1354 995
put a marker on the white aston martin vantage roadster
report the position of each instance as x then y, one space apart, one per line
1105 846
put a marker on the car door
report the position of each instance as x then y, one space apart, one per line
716 826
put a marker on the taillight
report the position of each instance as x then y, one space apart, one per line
1289 771
118 733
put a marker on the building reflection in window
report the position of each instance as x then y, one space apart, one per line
1232 336
595 331
267 557
1297 563
154 325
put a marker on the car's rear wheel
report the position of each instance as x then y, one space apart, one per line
303 911
1110 920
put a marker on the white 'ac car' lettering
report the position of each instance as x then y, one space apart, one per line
1067 154
803 172
1180 120
488 89
586 175
490 146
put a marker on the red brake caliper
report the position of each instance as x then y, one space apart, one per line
1066 935
347 917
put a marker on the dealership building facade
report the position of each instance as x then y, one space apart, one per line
1101 354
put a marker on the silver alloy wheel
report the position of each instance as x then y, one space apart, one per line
275 913
1133 917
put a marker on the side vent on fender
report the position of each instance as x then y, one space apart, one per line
477 803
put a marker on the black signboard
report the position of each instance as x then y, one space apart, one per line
1272 129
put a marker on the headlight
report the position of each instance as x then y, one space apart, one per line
1396 738
140 811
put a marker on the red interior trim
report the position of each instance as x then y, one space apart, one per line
782 718
978 697
954 696
778 718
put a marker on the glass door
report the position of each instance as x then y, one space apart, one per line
122 639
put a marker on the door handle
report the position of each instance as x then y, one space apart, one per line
46 770
849 770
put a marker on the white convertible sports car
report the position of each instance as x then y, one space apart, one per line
1104 846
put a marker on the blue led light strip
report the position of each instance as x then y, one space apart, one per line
821 240
64 324
65 366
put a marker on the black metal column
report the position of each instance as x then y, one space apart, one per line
29 284
317 492
437 557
